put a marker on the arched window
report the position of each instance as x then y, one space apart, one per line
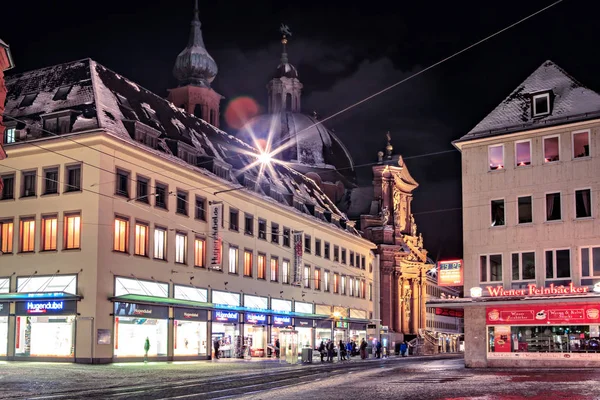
198 110
288 102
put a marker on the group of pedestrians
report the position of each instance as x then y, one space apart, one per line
327 350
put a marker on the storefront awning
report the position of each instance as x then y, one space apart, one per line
10 297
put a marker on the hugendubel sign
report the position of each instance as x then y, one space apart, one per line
533 290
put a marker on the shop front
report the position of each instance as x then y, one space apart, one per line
4 311
279 322
357 331
323 332
255 334
340 331
140 330
305 329
45 329
190 333
226 332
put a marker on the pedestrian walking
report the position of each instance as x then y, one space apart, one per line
349 349
342 350
277 348
363 349
217 345
146 349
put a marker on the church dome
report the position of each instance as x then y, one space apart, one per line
286 70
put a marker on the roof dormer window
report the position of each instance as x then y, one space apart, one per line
28 100
61 93
541 104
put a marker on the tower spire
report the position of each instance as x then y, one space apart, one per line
285 32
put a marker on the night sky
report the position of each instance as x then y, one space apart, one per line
344 51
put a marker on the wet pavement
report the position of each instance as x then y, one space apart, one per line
436 378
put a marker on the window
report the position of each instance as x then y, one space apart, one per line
350 287
27 232
286 272
525 210
49 232
307 243
121 242
141 194
590 262
274 269
8 191
364 262
61 93
336 253
286 237
160 195
523 153
317 274
553 212
199 252
248 263
180 248
274 233
182 203
51 181
352 259
343 256
6 236
362 290
262 229
318 247
28 100
10 135
122 183
370 292
496 157
490 268
307 276
200 208
541 104
233 259
248 224
29 184
343 285
326 287
558 264
497 212
234 219
523 266
581 144
73 178
583 203
141 240
551 149
160 243
336 283
261 266
326 250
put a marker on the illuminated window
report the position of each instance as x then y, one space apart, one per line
581 144
72 239
523 153
307 276
551 149
336 283
121 242
496 157
141 240
274 269
326 281
351 287
261 272
10 135
362 290
233 260
160 243
343 285
27 231
248 263
199 252
6 236
285 272
49 232
180 248
317 274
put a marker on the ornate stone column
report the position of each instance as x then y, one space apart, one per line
423 310
403 305
397 303
414 313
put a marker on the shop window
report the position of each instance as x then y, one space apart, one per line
317 274
160 243
141 192
248 263
590 262
200 208
233 259
523 266
274 233
73 178
497 207
248 224
46 284
326 287
343 256
121 237
72 232
281 305
343 281
130 328
226 298
122 183
302 307
190 293
29 184
180 248
261 266
234 219
540 104
274 269
50 181
6 236
199 253
49 232
496 157
182 203
525 209
326 250
262 229
553 207
583 203
581 144
490 268
27 233
286 237
318 247
33 335
523 153
336 283
125 286
336 253
551 149
141 240
160 195
307 244
8 189
285 272
558 264
257 302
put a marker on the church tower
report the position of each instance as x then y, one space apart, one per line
195 69
285 88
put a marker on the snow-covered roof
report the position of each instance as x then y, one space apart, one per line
571 101
100 98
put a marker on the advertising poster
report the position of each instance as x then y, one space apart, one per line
215 235
103 336
450 273
502 339
297 258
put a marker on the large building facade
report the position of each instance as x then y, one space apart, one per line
531 237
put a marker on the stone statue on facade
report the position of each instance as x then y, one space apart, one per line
413 226
385 216
380 156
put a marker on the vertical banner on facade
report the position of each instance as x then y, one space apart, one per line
215 235
297 259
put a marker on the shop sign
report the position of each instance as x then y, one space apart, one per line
279 320
544 314
255 319
448 312
4 308
140 310
216 210
298 245
341 324
226 316
450 273
546 356
303 323
533 290
189 314
46 307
